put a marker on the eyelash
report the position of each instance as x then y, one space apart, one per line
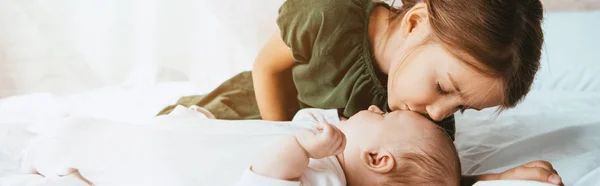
461 108
440 90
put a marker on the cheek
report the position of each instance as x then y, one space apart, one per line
412 85
354 139
357 131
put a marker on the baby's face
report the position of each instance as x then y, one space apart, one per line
371 128
392 133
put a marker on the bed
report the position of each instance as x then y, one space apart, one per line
560 127
559 121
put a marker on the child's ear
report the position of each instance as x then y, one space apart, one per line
416 18
381 161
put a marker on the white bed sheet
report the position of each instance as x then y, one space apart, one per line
561 127
117 103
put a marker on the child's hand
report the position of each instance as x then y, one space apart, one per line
320 145
536 170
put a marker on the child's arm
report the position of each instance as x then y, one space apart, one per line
273 59
289 159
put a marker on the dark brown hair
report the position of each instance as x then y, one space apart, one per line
498 38
435 164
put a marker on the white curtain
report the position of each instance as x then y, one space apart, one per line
67 46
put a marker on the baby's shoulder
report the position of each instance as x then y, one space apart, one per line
325 171
314 115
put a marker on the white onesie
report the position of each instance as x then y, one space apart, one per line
172 150
326 171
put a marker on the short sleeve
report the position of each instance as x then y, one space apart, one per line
315 115
299 22
325 171
250 178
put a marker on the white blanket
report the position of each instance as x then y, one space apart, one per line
183 149
170 151
560 127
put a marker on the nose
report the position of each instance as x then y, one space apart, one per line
435 113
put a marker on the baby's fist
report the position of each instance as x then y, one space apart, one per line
331 141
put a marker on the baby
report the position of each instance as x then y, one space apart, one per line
371 148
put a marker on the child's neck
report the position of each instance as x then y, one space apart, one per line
380 38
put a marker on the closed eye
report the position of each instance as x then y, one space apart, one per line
440 90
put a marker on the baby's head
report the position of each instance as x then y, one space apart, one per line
397 148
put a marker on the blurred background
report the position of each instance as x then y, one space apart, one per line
125 60
70 46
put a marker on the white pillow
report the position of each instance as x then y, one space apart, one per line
571 55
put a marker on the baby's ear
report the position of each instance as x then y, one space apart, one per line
381 161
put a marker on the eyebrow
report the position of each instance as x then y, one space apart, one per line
460 93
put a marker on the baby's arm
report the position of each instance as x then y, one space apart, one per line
289 158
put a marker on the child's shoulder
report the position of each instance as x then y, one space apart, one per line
324 5
306 24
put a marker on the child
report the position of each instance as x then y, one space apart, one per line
370 148
434 57
399 147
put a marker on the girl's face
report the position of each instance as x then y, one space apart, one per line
431 81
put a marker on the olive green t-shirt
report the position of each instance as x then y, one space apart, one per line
334 65
329 41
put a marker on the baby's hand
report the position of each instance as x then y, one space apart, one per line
331 141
